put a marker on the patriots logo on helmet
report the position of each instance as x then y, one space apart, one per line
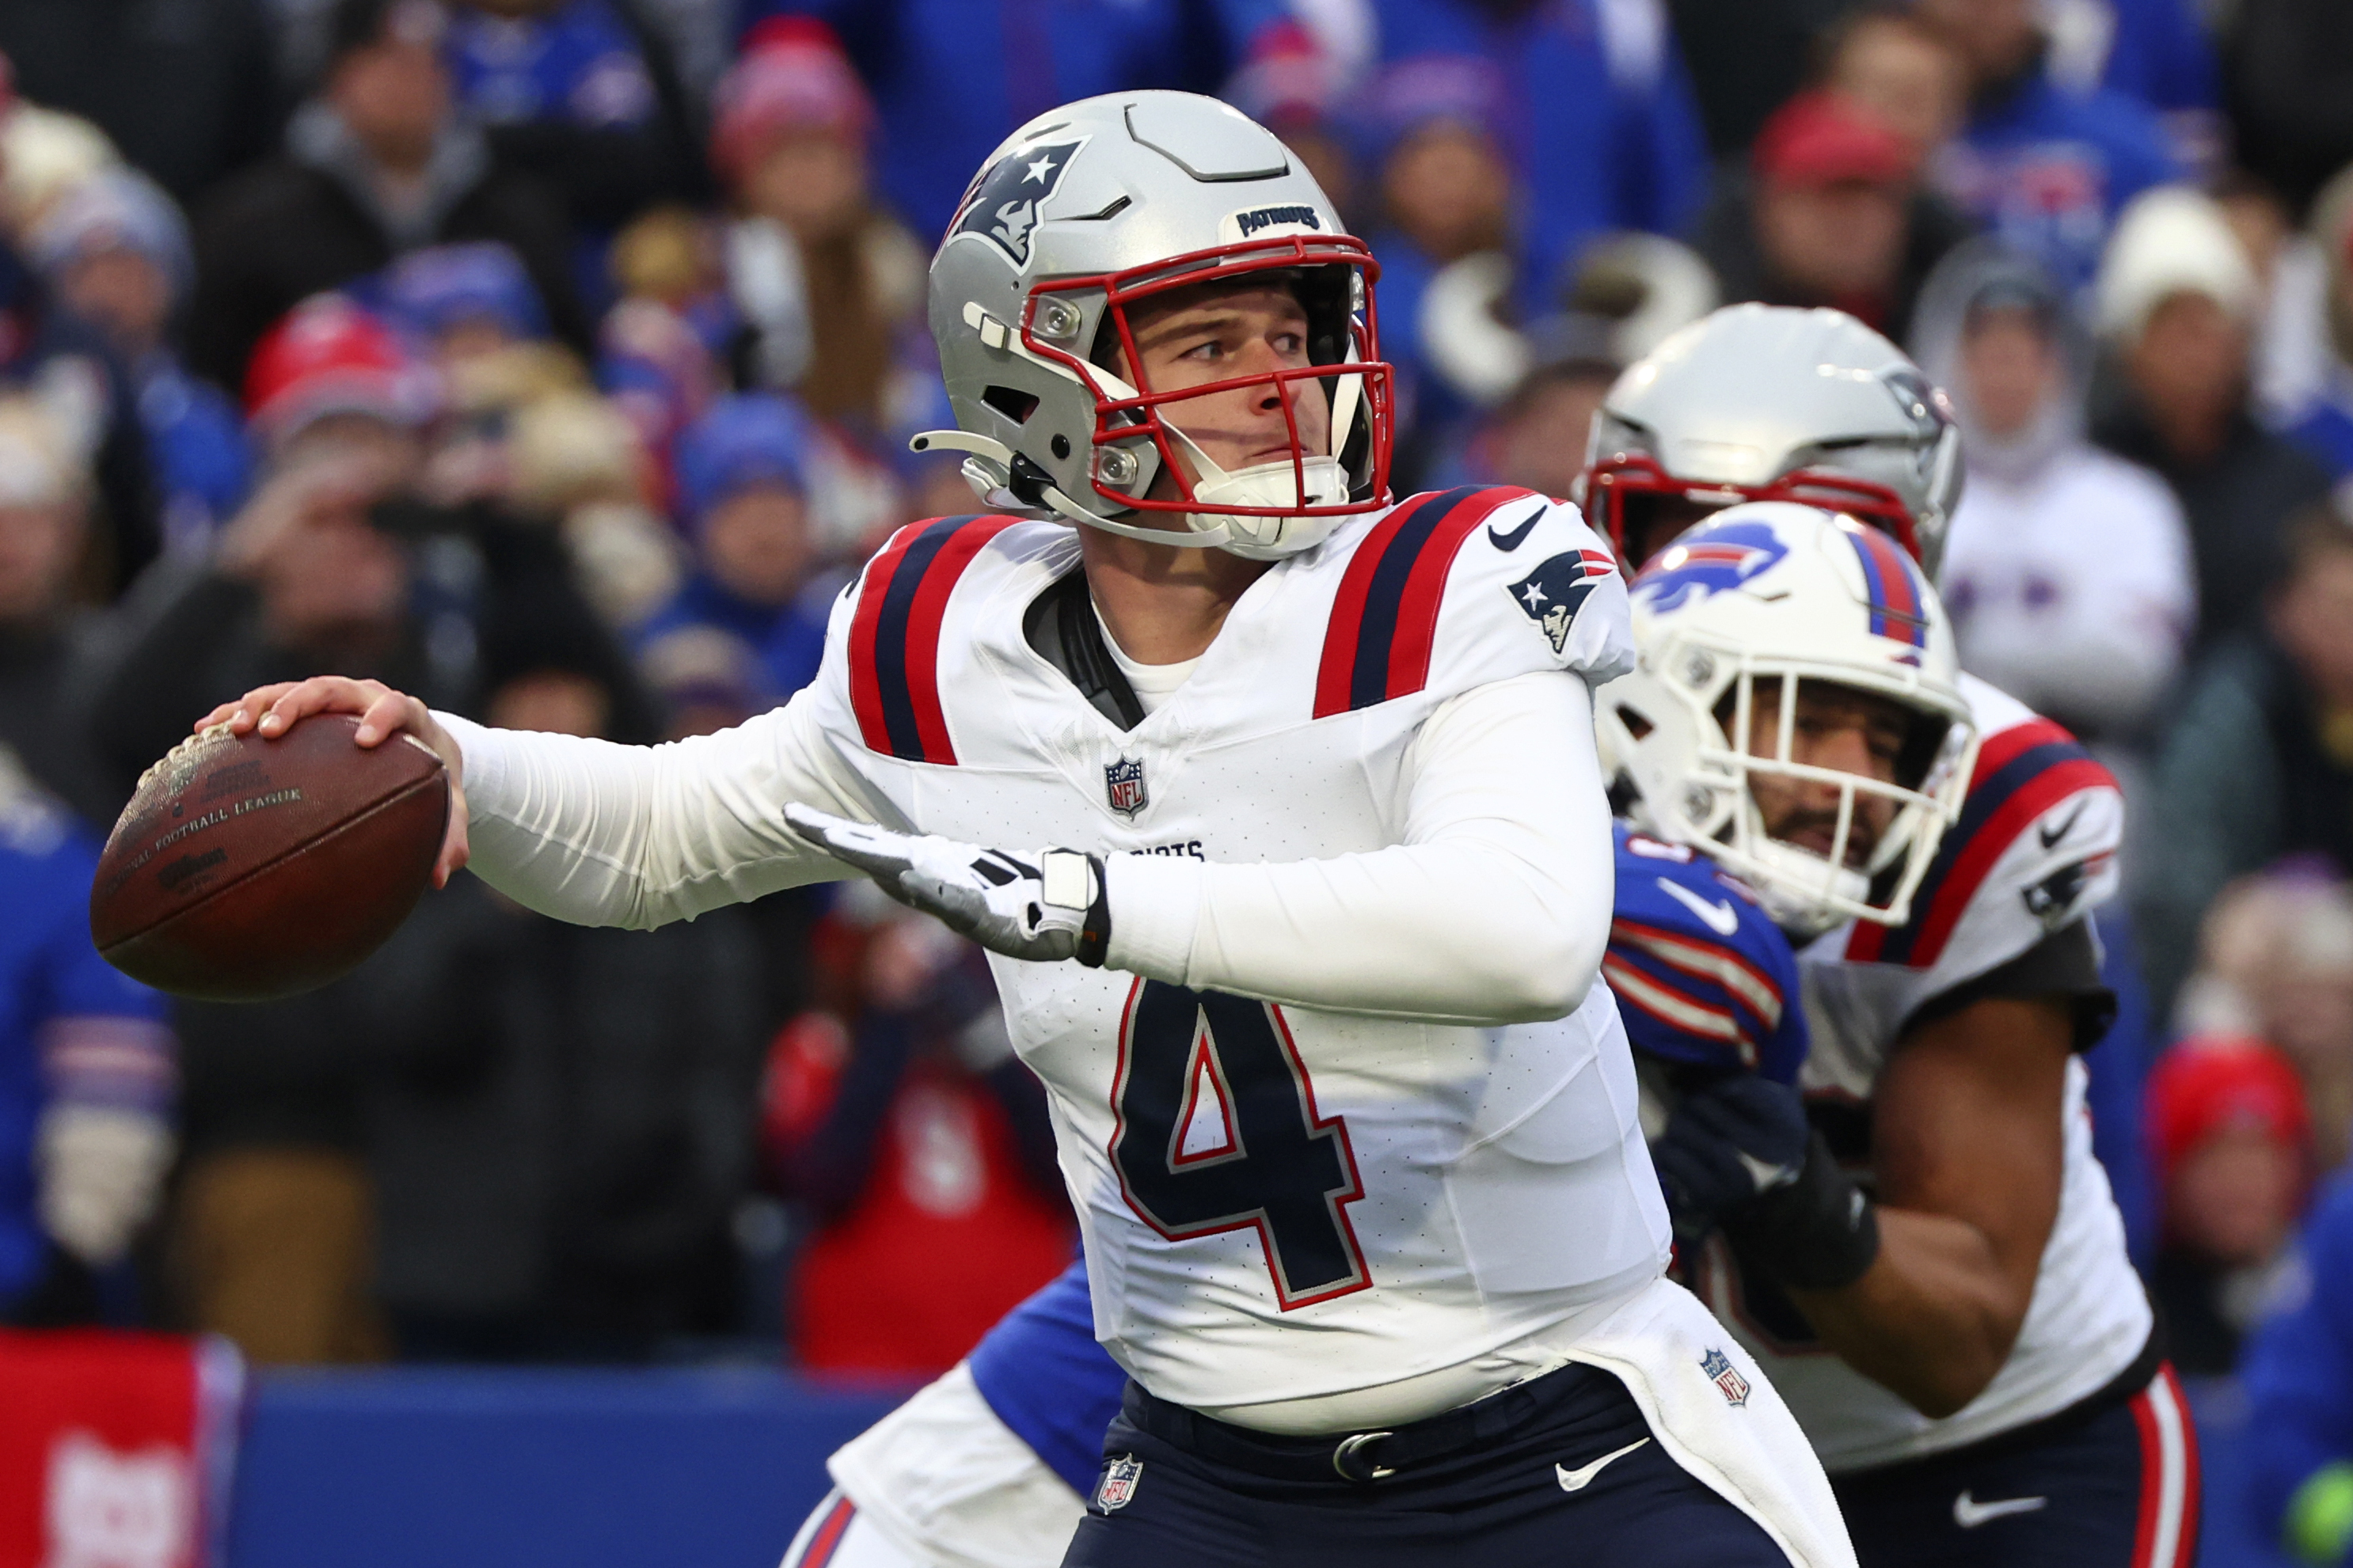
1551 594
1002 206
1712 559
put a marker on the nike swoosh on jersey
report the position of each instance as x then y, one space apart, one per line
1507 542
1721 918
2051 836
1969 1513
1575 1480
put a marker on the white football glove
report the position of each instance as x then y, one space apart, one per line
101 1171
1044 907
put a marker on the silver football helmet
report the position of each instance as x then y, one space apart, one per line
1773 402
1080 217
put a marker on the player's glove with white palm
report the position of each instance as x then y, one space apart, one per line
1045 907
1740 1154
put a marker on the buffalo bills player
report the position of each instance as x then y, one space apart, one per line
1940 1285
992 1466
1333 1084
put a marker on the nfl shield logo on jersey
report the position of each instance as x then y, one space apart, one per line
1718 1365
1123 783
1117 1488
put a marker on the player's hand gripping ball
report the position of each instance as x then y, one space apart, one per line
1045 908
247 869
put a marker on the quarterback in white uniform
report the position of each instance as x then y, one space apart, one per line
1310 970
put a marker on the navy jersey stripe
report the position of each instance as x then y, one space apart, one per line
891 637
1369 677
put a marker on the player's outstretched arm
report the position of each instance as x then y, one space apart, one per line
1495 910
596 833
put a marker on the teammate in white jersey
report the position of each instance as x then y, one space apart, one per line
1347 1116
1970 1352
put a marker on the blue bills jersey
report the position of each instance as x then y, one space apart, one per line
1703 979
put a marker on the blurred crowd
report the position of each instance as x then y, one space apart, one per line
556 360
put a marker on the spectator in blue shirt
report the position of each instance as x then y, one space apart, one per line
953 78
86 1073
2045 165
2155 52
743 485
2299 1373
116 250
1598 121
2325 430
582 93
1446 192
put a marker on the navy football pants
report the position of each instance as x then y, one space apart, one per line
2116 1490
1500 1502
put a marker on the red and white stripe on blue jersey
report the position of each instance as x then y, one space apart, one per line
1701 975
1892 585
2022 772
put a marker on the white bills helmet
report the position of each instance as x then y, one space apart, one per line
1080 217
1761 597
1774 402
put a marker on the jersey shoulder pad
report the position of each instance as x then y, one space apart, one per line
1702 974
1451 589
891 643
2033 850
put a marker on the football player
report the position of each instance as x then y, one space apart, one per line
1310 966
991 1465
1938 1281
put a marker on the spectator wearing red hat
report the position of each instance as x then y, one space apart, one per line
2231 1143
379 163
827 283
1829 212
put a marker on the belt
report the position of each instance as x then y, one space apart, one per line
1365 1458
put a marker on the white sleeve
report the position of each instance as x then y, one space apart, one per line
1495 909
600 834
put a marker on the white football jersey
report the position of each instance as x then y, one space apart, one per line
1277 1201
2035 849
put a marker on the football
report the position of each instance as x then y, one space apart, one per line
246 869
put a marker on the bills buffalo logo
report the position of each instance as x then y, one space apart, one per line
1726 1376
1117 1488
1712 559
1552 593
1123 786
1002 206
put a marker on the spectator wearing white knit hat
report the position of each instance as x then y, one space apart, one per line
115 248
2175 305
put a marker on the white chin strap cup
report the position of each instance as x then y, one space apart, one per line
989 469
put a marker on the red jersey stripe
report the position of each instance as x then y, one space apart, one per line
865 683
923 621
1977 858
1348 608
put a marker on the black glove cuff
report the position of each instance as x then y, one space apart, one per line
1816 1232
1094 935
